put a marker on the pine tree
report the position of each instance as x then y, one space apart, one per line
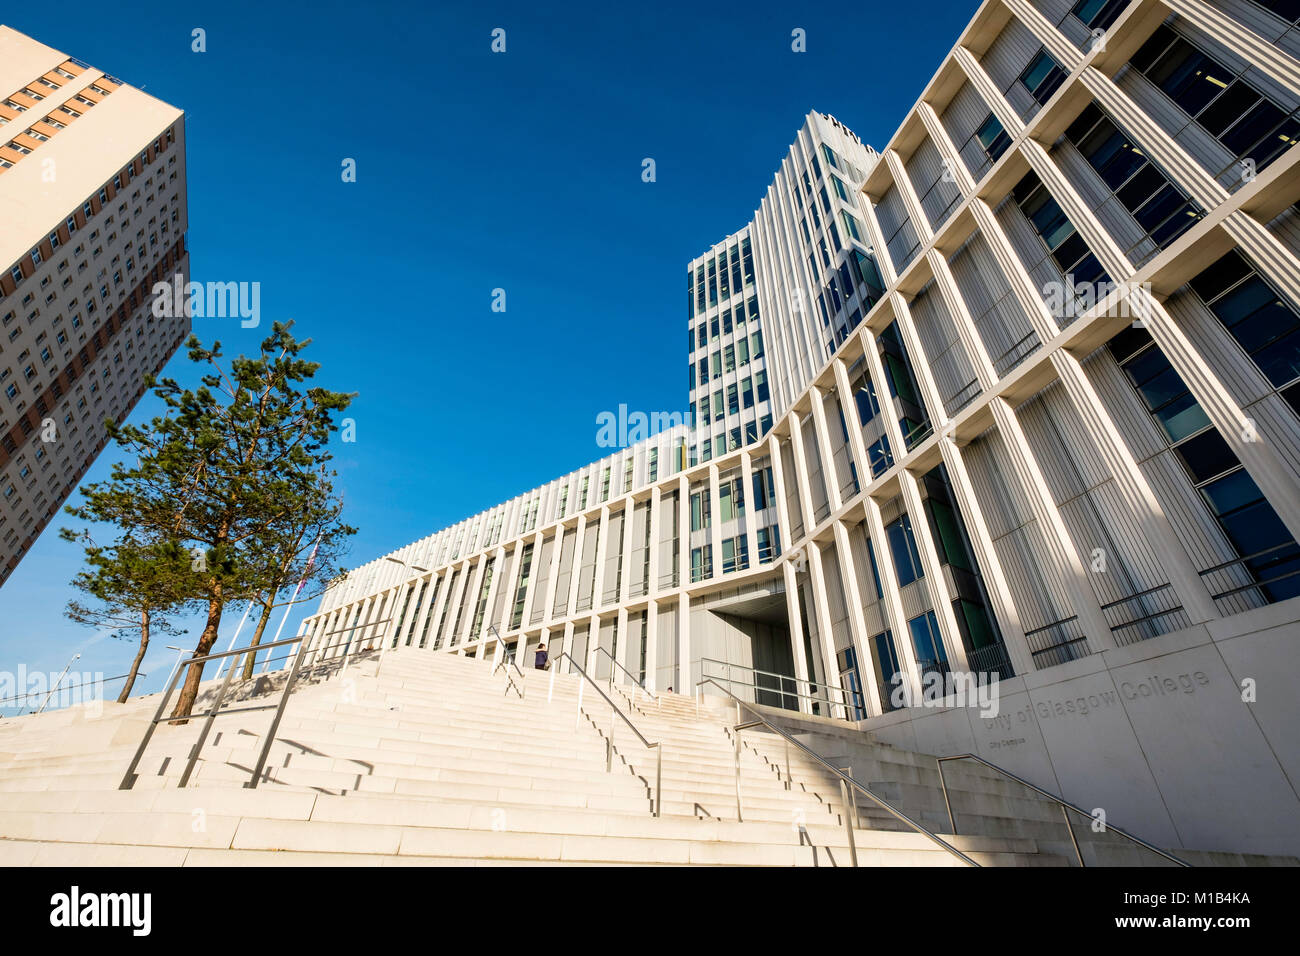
133 586
223 472
301 552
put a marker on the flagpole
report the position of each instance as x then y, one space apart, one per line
234 637
311 560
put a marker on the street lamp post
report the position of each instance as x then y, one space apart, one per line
55 686
170 674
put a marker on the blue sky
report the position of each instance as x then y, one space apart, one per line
475 171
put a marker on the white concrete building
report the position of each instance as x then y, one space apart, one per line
92 215
1059 446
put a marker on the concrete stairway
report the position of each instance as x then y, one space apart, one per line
421 758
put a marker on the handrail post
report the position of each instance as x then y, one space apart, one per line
275 721
659 779
129 778
207 726
848 822
577 717
609 742
879 801
853 794
787 765
740 817
1073 839
952 824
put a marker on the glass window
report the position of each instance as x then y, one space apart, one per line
993 137
1042 76
902 545
930 652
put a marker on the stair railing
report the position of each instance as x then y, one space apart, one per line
507 661
1065 805
636 682
656 746
358 648
844 779
850 702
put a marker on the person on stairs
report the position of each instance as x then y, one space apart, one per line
540 660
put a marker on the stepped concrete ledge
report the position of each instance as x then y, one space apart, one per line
416 758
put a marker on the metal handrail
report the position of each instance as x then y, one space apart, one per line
635 680
844 779
507 658
657 746
1064 805
60 687
304 648
853 699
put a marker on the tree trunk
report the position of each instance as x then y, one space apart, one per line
139 656
257 639
190 692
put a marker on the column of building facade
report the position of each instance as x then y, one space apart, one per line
467 608
653 518
803 486
895 615
684 606
835 696
343 616
849 409
1085 403
794 621
996 584
952 161
621 643
572 598
455 599
751 510
320 639
990 566
335 632
1261 54
715 523
394 622
1062 50
1161 148
412 589
436 607
1134 491
1275 479
494 586
530 594
602 550
988 91
593 625
625 552
422 612
941 599
625 582
1034 486
857 620
830 476
511 574
1270 472
548 597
